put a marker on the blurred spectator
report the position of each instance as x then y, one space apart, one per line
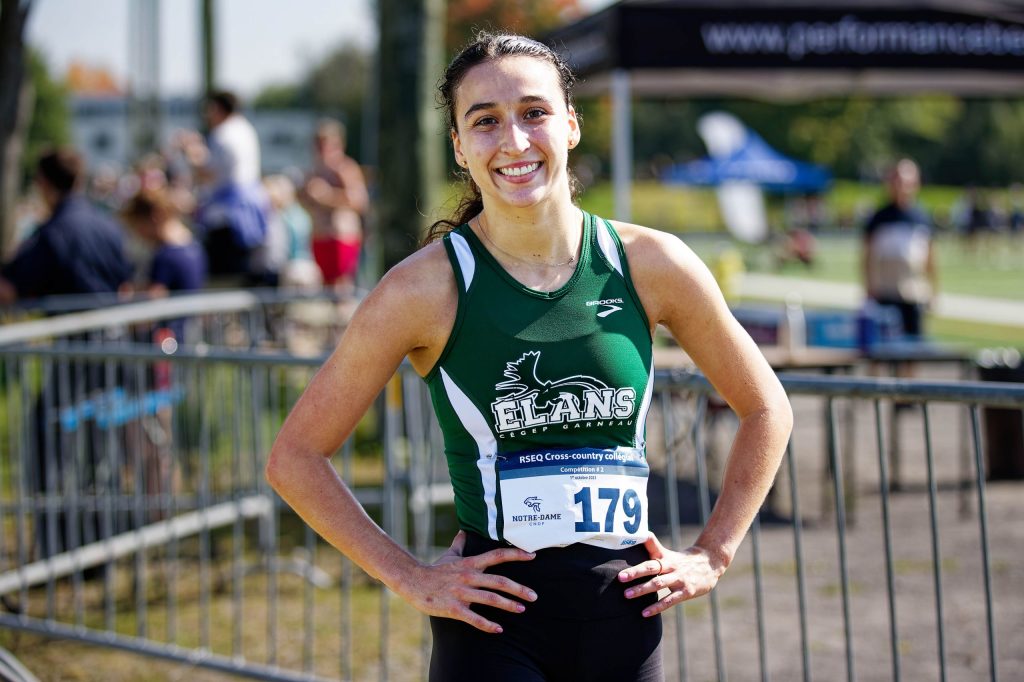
232 207
1015 217
103 186
1015 225
336 197
798 245
293 223
981 224
78 250
178 262
898 259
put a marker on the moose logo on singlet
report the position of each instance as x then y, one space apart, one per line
526 401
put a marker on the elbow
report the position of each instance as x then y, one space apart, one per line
782 414
272 471
290 468
280 468
786 418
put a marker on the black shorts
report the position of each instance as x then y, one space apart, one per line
581 628
911 315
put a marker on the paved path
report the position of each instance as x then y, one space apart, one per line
842 295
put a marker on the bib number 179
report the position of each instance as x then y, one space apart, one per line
631 507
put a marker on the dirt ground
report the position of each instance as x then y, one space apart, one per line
740 654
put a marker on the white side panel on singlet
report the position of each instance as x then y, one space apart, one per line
487 447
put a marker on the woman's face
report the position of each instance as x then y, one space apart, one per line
514 131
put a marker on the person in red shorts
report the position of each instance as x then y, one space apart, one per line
336 198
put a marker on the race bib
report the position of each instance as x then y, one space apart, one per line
554 498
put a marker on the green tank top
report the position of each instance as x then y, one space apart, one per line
526 370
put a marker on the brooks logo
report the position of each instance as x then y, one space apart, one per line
608 306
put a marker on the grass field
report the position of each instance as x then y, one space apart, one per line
991 269
996 271
677 208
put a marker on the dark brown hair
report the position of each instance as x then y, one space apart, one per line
487 47
62 168
225 99
147 203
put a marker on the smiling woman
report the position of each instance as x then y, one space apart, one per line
531 322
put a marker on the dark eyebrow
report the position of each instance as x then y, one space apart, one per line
527 99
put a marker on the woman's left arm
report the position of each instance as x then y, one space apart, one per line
678 291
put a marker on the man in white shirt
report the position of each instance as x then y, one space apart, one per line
234 147
233 206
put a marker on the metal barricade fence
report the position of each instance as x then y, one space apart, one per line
134 515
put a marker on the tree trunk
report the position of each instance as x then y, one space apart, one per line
15 110
410 141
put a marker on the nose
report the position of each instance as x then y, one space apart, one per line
516 139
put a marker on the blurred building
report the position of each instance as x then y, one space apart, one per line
101 129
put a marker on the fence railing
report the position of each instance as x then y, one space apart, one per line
134 514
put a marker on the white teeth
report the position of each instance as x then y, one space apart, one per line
520 170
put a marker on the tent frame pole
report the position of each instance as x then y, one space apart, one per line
622 143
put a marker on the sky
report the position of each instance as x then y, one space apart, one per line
260 41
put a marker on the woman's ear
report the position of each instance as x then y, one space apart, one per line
574 128
460 158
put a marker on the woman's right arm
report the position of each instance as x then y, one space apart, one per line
409 313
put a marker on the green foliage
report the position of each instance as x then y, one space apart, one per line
279 96
51 118
955 141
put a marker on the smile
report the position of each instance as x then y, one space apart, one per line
519 170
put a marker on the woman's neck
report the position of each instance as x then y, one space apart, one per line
174 233
541 237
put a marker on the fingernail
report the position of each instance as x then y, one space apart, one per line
623 576
498 630
630 593
532 595
520 608
647 614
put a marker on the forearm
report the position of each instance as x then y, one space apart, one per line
749 473
311 486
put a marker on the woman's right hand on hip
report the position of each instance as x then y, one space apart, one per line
453 583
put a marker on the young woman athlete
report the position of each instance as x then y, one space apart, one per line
532 323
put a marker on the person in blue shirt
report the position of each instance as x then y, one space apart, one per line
78 250
179 261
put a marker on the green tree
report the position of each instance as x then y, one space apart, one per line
51 116
15 104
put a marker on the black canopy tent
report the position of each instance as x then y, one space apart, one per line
785 49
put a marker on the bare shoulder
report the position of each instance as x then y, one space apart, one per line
665 271
646 246
414 303
350 165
